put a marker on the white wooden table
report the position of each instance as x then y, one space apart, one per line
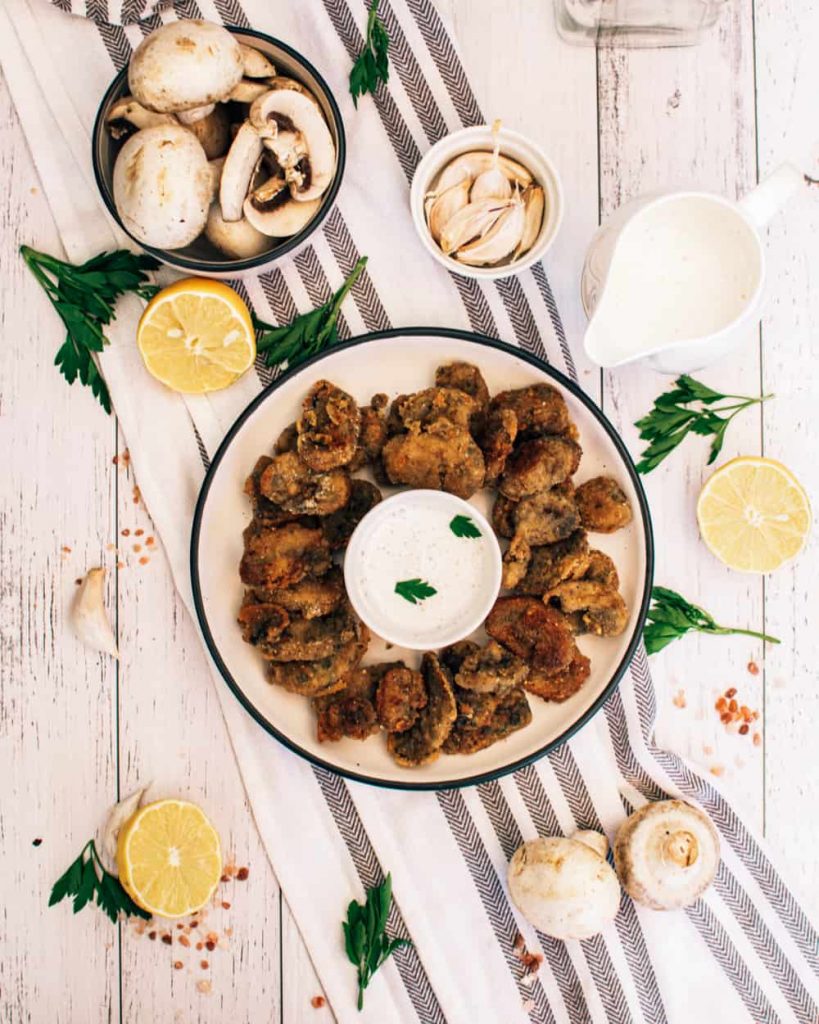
76 729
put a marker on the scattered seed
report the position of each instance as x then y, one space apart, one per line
242 874
678 700
137 547
178 965
733 706
317 1002
732 692
744 729
150 541
224 878
115 460
66 549
36 842
200 945
225 905
144 560
138 533
137 495
717 769
203 986
210 946
152 936
126 532
194 924
753 668
167 938
204 964
184 941
725 718
721 704
757 739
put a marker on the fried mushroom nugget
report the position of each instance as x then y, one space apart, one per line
400 697
503 516
537 465
545 642
552 563
601 609
516 560
322 677
422 743
498 441
294 486
280 556
603 505
328 427
469 379
423 408
559 686
313 639
350 712
539 409
338 527
547 517
602 570
372 435
443 457
264 508
512 712
262 623
491 669
310 598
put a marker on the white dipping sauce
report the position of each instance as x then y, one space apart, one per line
682 269
408 537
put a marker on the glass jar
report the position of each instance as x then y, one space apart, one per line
636 23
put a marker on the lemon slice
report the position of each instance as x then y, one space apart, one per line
169 858
196 336
754 515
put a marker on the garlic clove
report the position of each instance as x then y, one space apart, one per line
443 207
88 615
492 184
471 222
470 165
534 202
117 817
498 241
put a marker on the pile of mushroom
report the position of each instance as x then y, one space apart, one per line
216 142
485 209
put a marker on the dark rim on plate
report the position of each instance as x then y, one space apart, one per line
564 382
226 266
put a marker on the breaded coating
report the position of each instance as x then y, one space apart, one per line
491 669
280 556
442 457
551 564
512 712
537 465
603 505
468 378
400 697
338 527
539 409
287 441
372 435
452 657
516 560
503 516
313 639
351 711
322 677
311 598
498 441
328 427
603 611
602 569
423 408
547 517
290 483
559 686
261 623
545 642
422 743
264 508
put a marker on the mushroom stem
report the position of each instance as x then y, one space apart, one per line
682 848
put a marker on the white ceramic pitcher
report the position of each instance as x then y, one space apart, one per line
676 278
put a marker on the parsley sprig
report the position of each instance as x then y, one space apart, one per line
688 406
372 64
671 616
87 880
463 526
415 590
365 934
309 333
84 296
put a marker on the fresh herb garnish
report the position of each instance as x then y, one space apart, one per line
688 406
671 616
365 935
414 591
84 297
87 879
372 64
462 526
308 333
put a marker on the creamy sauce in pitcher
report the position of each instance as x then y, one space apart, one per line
682 269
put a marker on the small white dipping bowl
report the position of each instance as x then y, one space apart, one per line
409 537
512 144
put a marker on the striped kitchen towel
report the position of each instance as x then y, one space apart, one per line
746 951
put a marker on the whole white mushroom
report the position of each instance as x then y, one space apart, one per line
184 65
237 239
666 854
565 887
162 186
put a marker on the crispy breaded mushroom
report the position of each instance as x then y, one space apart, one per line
537 465
603 505
328 427
290 483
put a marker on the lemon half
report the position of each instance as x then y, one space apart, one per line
196 336
753 514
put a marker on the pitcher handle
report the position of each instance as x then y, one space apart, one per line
771 194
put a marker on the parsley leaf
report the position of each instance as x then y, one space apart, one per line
462 526
372 65
84 297
414 591
308 333
671 616
687 407
365 939
86 879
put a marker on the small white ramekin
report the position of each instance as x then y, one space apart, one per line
513 145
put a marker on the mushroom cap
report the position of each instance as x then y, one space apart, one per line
237 171
185 64
563 887
213 132
237 239
666 854
162 186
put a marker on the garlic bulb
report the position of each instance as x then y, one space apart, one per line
88 615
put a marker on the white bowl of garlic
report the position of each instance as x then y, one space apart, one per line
486 202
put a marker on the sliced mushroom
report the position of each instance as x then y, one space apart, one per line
183 65
213 131
255 64
470 165
282 82
127 114
162 186
280 216
666 854
288 118
189 117
240 163
237 239
248 90
215 173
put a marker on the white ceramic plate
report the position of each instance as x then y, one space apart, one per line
397 362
